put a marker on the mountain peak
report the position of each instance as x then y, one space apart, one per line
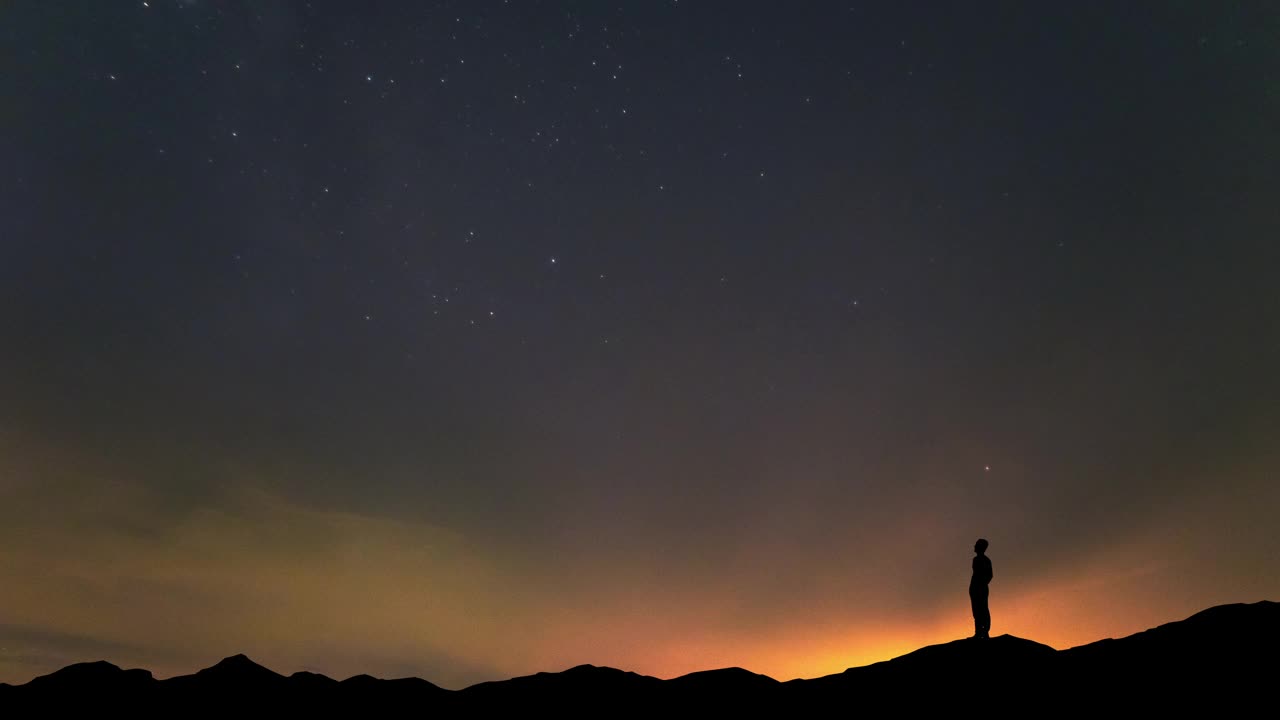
237 669
237 660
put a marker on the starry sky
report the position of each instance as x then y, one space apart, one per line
474 339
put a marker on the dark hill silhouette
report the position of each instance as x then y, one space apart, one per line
312 682
369 691
1235 649
233 681
722 679
93 677
1221 659
959 663
584 688
237 669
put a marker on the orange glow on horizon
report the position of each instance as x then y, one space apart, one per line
1062 612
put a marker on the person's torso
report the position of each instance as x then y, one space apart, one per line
981 570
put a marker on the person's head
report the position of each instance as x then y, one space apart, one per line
980 546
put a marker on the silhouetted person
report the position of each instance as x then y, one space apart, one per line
978 590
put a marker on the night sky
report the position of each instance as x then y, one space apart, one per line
474 339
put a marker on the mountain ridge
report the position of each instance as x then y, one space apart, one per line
1203 657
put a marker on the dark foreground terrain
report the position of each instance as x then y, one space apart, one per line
1223 660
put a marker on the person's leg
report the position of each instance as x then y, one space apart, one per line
982 616
977 603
